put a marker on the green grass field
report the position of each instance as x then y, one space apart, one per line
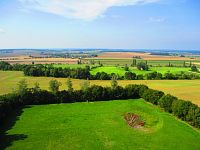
184 89
122 62
100 125
120 70
70 66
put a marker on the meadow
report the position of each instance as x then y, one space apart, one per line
122 61
99 125
184 89
120 70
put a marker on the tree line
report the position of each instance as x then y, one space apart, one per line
184 110
84 73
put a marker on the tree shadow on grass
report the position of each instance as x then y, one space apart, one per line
5 138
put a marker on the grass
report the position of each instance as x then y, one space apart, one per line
120 71
184 89
122 62
70 66
100 125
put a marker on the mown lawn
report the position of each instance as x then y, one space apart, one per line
184 89
100 125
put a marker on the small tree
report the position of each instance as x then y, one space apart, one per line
36 87
126 68
130 76
69 85
184 64
194 68
22 86
85 85
134 63
54 86
142 66
114 83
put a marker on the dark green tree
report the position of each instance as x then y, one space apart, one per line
126 68
194 68
142 66
130 76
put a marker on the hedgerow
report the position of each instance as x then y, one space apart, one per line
184 110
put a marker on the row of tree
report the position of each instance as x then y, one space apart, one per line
184 110
84 73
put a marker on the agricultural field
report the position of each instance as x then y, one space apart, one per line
128 61
120 70
142 55
184 89
98 125
30 60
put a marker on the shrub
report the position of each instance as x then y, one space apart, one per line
152 96
166 102
130 76
180 108
142 66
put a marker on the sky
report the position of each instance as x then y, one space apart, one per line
116 24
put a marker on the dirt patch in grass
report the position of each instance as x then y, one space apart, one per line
134 120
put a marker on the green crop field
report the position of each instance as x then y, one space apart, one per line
185 89
120 70
99 125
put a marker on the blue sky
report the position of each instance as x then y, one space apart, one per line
132 24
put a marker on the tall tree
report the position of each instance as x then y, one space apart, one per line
114 83
85 85
36 87
69 85
54 86
22 86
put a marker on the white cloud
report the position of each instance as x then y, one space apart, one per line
2 30
79 9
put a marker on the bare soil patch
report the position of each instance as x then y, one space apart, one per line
133 120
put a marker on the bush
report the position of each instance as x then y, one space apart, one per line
152 96
142 66
181 108
166 102
130 76
194 68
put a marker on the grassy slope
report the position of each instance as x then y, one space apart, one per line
100 125
185 89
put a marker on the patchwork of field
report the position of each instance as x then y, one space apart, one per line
184 89
29 60
98 125
120 71
145 56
